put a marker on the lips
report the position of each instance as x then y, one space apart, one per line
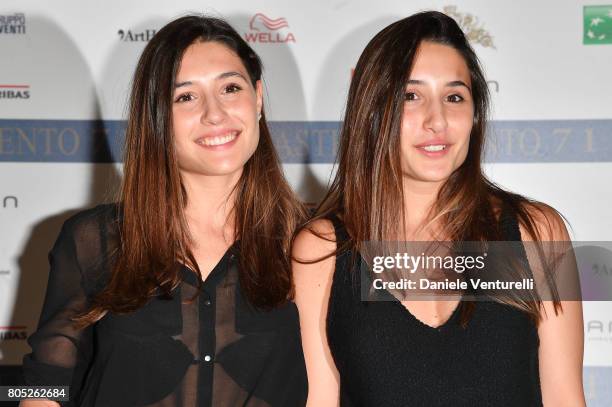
434 148
218 138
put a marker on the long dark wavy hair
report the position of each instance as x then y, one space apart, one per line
367 191
154 234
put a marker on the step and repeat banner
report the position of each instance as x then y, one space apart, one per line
66 67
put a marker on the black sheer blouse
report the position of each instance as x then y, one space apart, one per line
216 351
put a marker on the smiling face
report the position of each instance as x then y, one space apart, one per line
438 114
214 111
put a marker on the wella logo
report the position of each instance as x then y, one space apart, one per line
267 30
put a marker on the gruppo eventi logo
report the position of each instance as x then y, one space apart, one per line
264 29
597 25
13 23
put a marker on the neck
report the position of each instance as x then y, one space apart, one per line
210 201
419 197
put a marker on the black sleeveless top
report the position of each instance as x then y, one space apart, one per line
387 357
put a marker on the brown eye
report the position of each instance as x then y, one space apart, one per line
410 96
185 97
233 88
455 99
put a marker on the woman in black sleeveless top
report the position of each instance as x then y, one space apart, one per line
410 170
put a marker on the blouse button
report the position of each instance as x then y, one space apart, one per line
207 358
207 302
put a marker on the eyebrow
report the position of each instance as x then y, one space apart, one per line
451 83
221 76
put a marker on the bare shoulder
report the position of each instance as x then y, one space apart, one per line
548 222
315 241
314 261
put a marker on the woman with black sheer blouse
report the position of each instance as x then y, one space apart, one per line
179 295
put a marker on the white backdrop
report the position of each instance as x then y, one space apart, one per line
66 65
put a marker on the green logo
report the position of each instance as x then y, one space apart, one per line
597 25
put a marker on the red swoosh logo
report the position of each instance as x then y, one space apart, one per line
269 23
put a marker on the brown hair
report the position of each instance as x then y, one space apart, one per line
154 234
367 191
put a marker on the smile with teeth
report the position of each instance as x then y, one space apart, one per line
218 140
434 147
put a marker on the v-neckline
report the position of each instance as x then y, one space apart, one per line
217 272
428 327
408 314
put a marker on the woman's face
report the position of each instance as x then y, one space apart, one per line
214 111
438 114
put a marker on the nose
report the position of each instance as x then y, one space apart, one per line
435 119
213 111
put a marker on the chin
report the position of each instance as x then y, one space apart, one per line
225 170
435 179
217 168
432 175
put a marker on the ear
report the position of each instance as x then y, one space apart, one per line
259 96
